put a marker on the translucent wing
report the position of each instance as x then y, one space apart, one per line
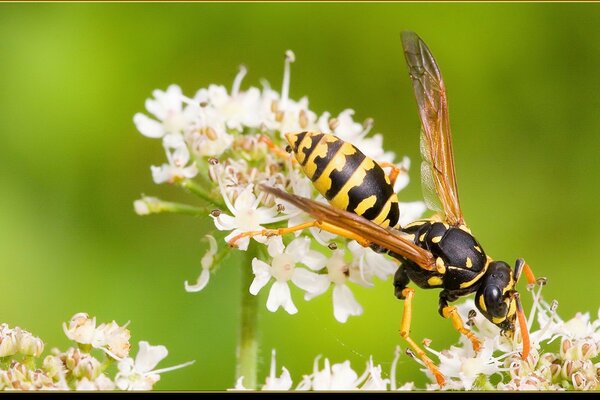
437 170
388 238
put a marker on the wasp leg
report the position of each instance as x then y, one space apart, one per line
276 149
408 294
311 224
450 312
395 170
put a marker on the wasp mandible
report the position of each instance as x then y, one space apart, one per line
439 252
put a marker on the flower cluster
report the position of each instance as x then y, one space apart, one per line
220 145
78 368
564 356
340 376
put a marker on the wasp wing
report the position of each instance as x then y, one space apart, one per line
388 238
437 170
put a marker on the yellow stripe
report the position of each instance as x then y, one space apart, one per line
482 303
477 277
323 184
320 151
304 144
382 217
365 204
342 199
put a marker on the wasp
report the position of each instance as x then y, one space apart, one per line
435 253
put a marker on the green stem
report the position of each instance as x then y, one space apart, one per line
199 191
157 206
247 352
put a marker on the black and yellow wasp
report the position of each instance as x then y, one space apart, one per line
439 252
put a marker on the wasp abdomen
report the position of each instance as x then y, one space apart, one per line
347 178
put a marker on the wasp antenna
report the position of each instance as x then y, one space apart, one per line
523 328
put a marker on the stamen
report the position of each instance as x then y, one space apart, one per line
273 365
285 86
367 125
160 371
235 88
393 368
215 168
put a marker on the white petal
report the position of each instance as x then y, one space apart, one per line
200 284
314 284
298 248
149 356
148 126
280 296
245 199
314 260
275 246
161 174
225 222
344 303
242 243
262 275
410 212
343 376
284 382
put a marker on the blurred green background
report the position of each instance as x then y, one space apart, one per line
523 89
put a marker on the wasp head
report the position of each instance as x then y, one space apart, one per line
496 297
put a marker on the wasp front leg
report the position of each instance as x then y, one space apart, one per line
450 312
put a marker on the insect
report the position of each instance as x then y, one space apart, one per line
439 252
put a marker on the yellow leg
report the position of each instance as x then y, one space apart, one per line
311 224
451 313
276 149
408 294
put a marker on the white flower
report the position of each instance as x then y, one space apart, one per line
140 374
344 303
462 364
283 382
236 111
248 216
81 328
283 269
368 264
110 338
178 156
113 339
206 262
336 377
167 107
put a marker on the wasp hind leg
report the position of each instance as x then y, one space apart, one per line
450 312
311 224
408 294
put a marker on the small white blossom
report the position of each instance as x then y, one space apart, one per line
247 216
140 374
344 303
283 269
178 156
283 382
167 107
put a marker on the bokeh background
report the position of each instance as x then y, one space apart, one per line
523 89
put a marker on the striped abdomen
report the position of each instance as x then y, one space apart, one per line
346 177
